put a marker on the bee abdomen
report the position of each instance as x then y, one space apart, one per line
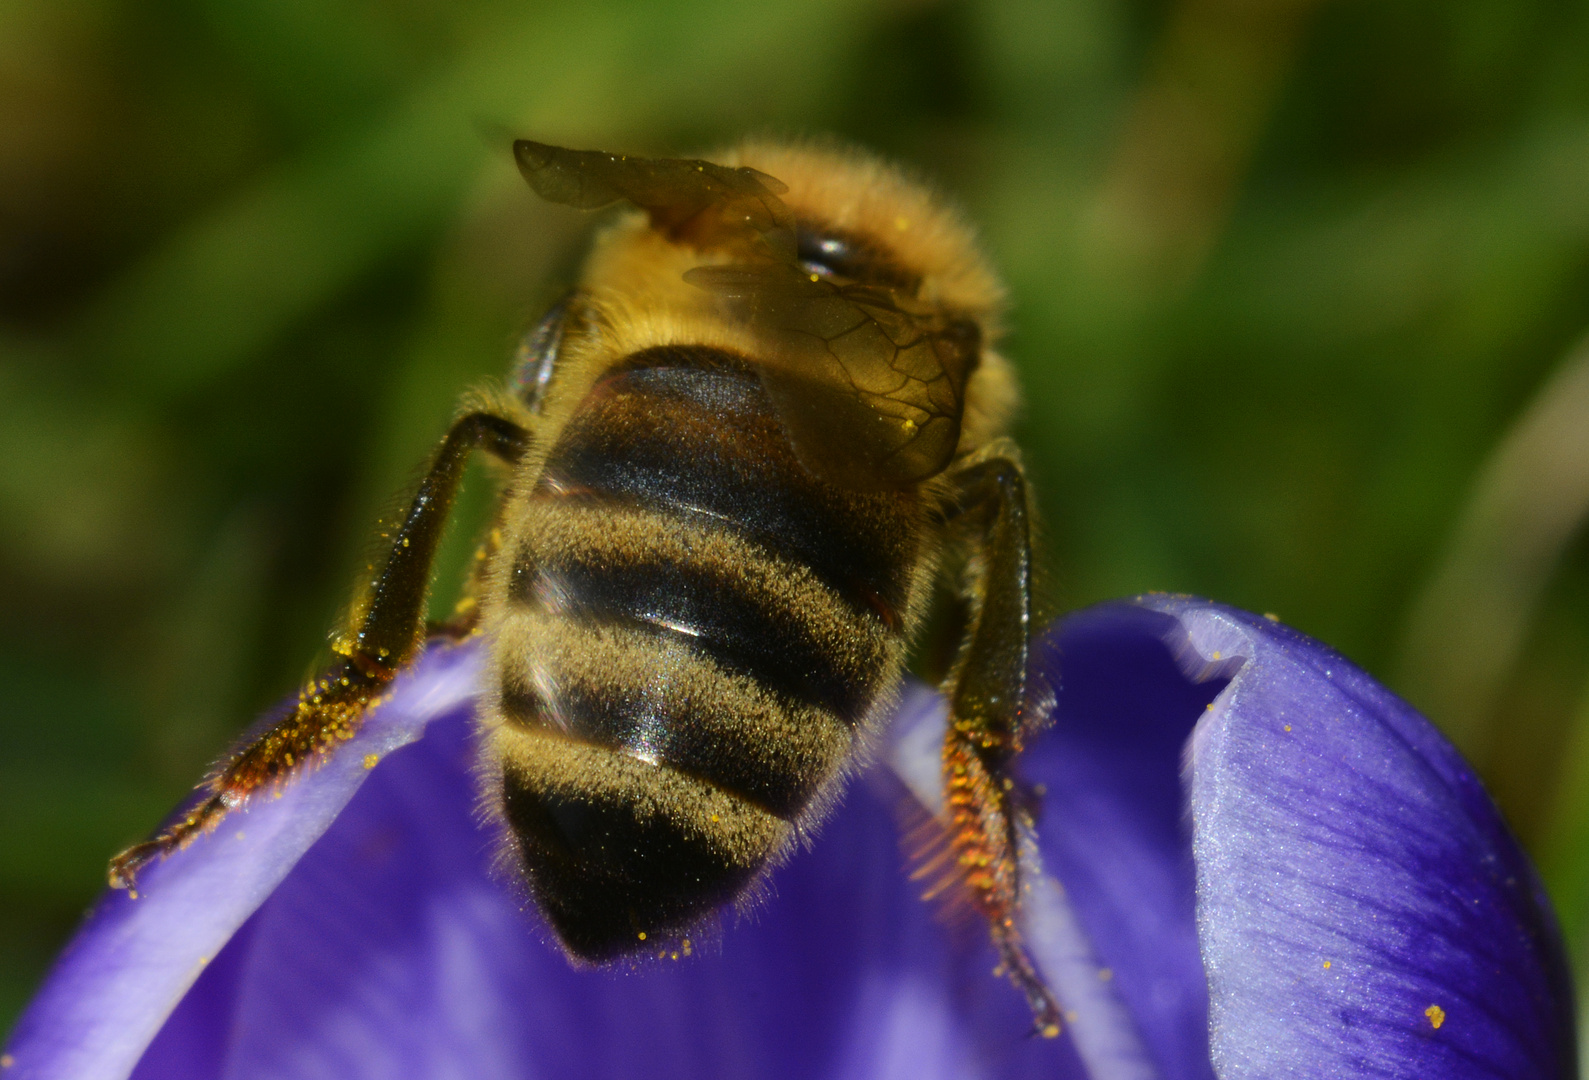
695 631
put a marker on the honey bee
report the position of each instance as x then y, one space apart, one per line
738 455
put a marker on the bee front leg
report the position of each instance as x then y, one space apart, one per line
384 633
988 720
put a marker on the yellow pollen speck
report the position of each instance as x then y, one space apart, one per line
370 760
1271 616
642 935
687 947
1326 965
902 223
1105 974
673 956
1436 1015
1288 727
132 894
405 541
815 277
1051 1031
239 835
910 425
714 817
1217 656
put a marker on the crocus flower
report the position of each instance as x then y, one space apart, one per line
1252 861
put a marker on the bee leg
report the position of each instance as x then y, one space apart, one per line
534 365
385 632
988 719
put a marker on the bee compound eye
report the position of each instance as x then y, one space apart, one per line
825 255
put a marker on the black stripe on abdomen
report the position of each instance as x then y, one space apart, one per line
687 735
709 613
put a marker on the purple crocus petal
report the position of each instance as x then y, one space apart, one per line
1362 909
134 959
393 949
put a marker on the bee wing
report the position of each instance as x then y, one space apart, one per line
870 386
707 204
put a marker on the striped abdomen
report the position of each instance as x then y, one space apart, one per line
696 631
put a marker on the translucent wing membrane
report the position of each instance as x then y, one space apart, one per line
869 382
870 385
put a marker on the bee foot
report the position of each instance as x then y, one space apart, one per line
1017 965
125 868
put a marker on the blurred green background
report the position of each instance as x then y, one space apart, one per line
1297 288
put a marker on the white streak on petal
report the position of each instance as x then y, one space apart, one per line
1101 1027
914 1033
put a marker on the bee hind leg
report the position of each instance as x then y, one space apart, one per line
988 718
385 632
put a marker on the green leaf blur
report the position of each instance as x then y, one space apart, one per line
1289 278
